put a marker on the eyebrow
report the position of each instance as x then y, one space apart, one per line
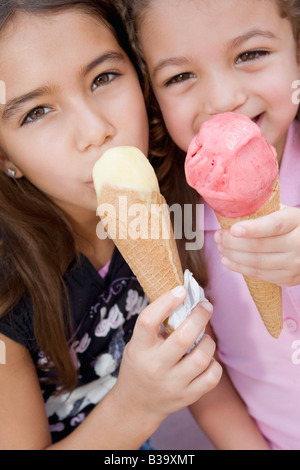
13 106
171 61
107 57
238 41
232 44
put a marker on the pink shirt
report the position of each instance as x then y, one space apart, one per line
103 271
265 371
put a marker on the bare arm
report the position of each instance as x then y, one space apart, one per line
24 424
224 418
156 378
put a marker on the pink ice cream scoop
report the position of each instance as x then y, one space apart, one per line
231 165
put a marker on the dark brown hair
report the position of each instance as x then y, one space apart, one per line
36 241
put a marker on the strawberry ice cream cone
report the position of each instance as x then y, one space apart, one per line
235 170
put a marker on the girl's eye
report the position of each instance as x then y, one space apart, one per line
35 114
104 79
182 77
250 56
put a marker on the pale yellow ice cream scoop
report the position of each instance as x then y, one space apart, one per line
136 217
126 167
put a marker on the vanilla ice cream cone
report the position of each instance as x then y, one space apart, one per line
136 217
267 296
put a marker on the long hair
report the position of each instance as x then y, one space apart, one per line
36 241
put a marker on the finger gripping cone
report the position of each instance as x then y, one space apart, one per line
267 296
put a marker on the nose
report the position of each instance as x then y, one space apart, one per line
223 93
92 127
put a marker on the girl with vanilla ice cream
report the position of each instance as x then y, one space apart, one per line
76 374
209 57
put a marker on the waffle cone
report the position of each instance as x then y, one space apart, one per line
267 297
144 238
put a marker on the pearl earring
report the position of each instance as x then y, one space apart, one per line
11 173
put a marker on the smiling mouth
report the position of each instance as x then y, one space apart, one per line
257 118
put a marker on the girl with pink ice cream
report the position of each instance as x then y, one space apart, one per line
206 58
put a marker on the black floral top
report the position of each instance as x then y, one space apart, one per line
104 313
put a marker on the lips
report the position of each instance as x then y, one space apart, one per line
257 119
91 185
